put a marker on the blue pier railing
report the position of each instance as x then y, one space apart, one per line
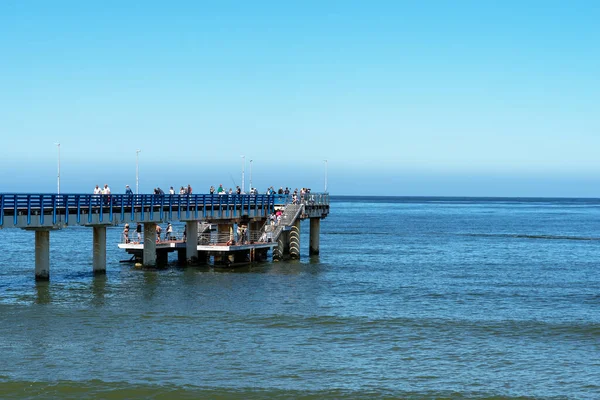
84 206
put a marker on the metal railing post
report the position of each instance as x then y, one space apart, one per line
28 210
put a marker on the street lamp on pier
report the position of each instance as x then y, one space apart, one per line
58 176
251 176
137 171
243 173
326 165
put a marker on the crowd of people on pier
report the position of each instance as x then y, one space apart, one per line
297 195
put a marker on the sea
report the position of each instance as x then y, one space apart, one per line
410 298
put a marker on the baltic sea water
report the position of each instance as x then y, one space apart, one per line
410 298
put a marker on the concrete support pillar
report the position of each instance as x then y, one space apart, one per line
283 245
278 250
99 250
149 256
315 231
286 243
42 255
295 240
191 244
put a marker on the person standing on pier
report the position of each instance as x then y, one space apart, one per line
97 193
106 193
126 233
158 230
169 233
212 189
138 230
129 194
189 189
171 191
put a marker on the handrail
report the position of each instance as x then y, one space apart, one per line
56 205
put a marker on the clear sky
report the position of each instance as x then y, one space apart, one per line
475 98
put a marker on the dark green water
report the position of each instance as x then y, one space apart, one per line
410 298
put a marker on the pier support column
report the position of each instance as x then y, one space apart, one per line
295 240
191 243
315 231
283 245
286 243
42 255
99 250
149 256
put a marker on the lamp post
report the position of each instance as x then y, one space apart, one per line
243 173
251 176
137 171
58 176
326 164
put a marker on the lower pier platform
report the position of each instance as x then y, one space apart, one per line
222 254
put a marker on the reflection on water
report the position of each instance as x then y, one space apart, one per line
151 281
99 290
43 293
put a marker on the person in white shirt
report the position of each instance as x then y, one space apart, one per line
96 198
106 193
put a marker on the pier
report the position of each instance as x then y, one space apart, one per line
44 213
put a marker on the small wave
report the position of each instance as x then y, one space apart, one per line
370 233
360 324
526 236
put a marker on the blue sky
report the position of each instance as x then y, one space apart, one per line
475 98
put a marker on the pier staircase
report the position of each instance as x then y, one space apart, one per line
289 216
290 213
